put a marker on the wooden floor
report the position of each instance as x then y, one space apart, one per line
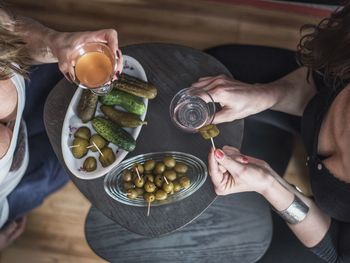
55 230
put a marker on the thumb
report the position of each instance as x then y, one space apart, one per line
233 166
223 115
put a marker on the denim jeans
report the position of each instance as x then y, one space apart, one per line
44 174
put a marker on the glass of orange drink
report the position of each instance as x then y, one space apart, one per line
94 66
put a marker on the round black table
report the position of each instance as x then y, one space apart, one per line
170 68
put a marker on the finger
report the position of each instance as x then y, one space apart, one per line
120 63
214 172
9 229
230 150
109 36
204 78
211 84
71 73
232 166
222 169
19 230
202 82
224 115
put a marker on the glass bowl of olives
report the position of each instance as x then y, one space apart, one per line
158 178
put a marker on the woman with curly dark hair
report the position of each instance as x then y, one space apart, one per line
319 92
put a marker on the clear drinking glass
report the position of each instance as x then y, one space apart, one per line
94 67
192 109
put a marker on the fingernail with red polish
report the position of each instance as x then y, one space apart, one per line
219 154
117 74
244 159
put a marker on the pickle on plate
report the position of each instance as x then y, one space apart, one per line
122 118
87 105
107 157
79 147
83 133
97 141
90 164
209 131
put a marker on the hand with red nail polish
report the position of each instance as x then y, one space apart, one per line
233 172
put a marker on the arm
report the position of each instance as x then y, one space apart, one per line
280 195
45 45
231 172
289 94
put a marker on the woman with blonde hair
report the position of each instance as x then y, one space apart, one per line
29 169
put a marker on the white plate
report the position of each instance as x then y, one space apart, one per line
72 123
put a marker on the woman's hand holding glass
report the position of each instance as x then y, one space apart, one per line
237 99
63 45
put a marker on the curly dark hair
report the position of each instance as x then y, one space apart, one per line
325 48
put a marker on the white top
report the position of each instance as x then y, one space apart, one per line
11 176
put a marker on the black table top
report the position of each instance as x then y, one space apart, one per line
170 68
234 229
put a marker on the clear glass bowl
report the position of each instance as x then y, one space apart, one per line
197 173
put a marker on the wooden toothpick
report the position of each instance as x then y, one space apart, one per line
212 143
98 149
138 174
166 180
74 146
149 208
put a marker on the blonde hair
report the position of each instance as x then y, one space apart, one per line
14 57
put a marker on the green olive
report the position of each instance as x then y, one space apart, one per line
168 187
150 187
169 161
140 191
90 164
177 186
149 197
131 194
107 157
79 148
185 182
128 185
161 195
159 180
149 165
83 133
149 178
97 140
138 167
159 168
139 182
181 168
127 176
170 175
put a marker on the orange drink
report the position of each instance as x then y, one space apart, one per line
94 67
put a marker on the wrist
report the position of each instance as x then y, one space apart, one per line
277 195
268 95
